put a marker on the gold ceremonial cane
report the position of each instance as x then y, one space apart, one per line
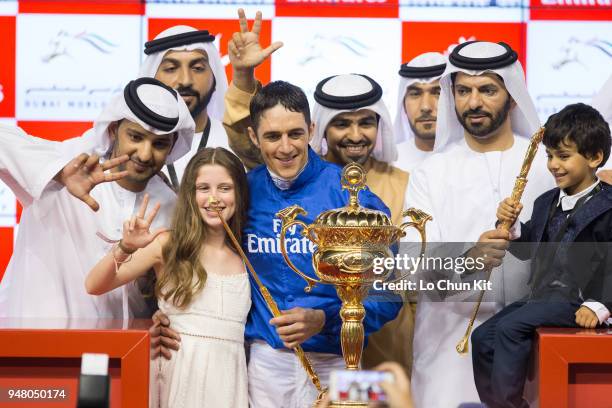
270 302
517 192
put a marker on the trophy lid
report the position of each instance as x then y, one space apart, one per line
353 215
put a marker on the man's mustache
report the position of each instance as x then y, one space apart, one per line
475 112
426 118
187 91
347 143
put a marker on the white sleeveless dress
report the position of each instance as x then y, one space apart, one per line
209 369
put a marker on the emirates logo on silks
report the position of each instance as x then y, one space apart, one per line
295 243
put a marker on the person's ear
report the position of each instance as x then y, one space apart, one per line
311 131
253 136
595 160
113 131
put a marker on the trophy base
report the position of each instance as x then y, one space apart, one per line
344 404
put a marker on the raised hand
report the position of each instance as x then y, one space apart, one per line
245 51
136 232
84 172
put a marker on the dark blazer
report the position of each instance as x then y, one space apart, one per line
583 258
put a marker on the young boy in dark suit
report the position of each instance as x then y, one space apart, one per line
571 269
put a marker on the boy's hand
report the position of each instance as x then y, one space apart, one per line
586 318
508 211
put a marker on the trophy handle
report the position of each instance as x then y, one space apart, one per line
419 219
288 218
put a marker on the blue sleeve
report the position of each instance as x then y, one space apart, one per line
333 321
370 200
381 307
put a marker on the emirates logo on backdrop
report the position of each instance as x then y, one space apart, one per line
586 3
1 94
337 8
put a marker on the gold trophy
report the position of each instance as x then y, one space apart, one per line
348 240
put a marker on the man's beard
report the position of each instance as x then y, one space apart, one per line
201 101
357 159
485 132
427 135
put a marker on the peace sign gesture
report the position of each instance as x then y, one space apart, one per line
84 172
245 51
136 232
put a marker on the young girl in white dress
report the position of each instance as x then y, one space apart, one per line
202 285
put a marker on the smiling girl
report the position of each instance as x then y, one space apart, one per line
202 285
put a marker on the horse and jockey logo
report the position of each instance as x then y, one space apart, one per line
66 44
586 53
332 47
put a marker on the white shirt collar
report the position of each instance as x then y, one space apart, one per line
283 183
568 202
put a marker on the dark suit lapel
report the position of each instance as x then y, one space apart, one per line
593 208
541 211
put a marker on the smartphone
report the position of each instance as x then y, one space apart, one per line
361 386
